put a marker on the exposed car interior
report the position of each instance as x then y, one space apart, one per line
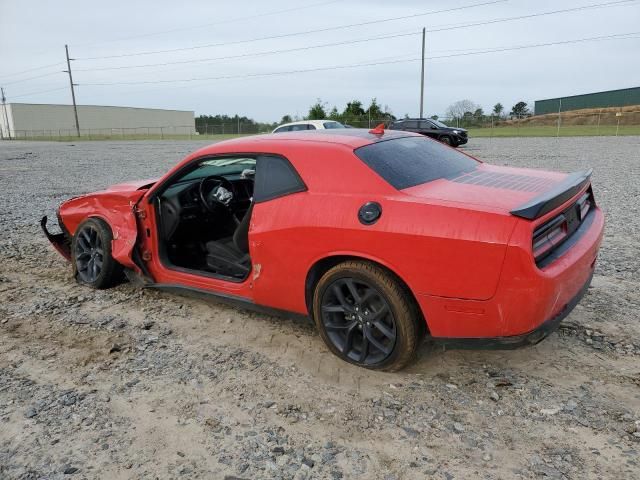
204 216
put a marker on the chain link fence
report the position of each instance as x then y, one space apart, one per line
581 123
595 122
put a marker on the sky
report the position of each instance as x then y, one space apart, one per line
252 83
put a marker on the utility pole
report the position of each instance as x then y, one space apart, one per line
424 33
73 94
6 117
559 116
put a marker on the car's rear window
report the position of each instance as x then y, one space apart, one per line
409 161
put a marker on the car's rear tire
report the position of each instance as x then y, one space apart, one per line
446 140
366 317
91 255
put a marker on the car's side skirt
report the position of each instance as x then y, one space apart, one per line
232 300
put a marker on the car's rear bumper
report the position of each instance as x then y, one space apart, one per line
516 341
527 299
60 241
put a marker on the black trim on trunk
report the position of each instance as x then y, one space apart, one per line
553 198
516 341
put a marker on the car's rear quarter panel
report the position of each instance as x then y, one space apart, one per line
526 296
437 249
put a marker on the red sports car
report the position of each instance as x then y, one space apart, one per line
382 237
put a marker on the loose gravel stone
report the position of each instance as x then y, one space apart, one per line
145 384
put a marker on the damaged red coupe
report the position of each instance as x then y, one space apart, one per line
382 237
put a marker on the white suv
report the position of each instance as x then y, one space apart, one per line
308 125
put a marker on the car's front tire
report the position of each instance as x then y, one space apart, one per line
366 317
91 255
446 140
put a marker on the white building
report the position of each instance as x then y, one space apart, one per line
25 120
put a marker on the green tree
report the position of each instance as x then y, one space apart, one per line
520 109
375 110
334 114
317 111
354 108
434 117
286 119
498 109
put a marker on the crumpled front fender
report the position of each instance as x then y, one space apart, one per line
60 241
117 209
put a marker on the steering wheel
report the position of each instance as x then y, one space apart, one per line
220 194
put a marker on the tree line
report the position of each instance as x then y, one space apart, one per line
354 113
464 113
468 113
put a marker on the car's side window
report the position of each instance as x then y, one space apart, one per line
275 177
310 127
282 129
426 124
410 124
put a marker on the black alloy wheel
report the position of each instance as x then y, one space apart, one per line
367 316
358 321
89 254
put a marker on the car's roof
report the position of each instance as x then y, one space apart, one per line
315 123
350 137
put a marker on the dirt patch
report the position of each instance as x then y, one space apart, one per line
128 383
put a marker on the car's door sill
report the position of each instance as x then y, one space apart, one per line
233 300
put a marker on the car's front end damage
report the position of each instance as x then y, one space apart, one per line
60 241
116 206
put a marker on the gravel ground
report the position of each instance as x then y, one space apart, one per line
127 383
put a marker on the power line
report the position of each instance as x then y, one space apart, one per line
256 54
307 32
38 92
618 36
31 78
57 64
221 22
622 36
273 52
618 3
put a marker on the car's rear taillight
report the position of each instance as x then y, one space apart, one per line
584 205
548 236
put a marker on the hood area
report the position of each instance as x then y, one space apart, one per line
132 186
494 187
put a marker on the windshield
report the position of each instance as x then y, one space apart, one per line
221 166
328 125
410 161
440 124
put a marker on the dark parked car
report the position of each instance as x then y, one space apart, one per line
432 128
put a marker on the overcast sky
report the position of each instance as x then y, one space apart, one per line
33 34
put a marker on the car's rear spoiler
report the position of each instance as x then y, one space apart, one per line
553 198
